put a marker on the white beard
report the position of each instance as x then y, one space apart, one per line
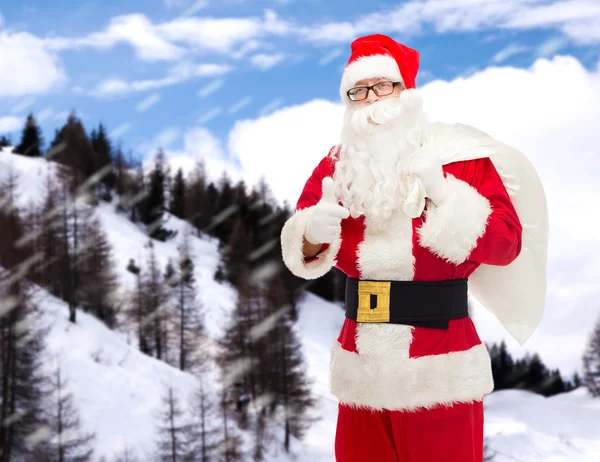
369 175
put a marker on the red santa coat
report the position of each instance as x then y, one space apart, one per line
392 366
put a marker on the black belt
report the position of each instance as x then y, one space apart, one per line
415 303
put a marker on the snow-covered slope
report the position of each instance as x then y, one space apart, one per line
118 390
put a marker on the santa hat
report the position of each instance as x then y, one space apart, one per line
379 56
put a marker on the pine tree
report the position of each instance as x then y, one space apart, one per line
23 387
130 185
154 300
591 362
138 310
197 208
31 139
5 141
152 207
78 154
67 440
189 325
99 282
74 217
538 373
103 154
56 145
291 388
226 208
49 239
173 444
576 380
238 249
177 207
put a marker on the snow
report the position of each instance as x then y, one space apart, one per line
118 390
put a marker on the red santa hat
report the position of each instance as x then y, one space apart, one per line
379 56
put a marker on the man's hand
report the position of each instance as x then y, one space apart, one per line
427 166
325 224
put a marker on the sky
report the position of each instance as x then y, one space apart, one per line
252 87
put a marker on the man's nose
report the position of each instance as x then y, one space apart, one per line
371 96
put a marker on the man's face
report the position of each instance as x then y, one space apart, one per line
371 96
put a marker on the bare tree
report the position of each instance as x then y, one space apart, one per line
204 434
69 443
173 444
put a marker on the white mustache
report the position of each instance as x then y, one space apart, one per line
371 118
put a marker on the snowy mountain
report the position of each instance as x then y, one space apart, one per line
118 390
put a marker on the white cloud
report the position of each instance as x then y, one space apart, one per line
174 3
246 48
549 111
9 124
209 115
551 46
199 143
264 61
271 106
45 114
510 50
330 57
23 104
134 29
162 141
210 88
171 40
195 7
27 67
240 105
64 115
148 102
278 143
120 130
222 34
178 74
579 20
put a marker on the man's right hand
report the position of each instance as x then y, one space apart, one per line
325 224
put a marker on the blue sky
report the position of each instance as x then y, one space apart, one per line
150 70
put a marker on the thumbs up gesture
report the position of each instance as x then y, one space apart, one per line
324 226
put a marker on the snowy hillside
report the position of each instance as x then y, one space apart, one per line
118 390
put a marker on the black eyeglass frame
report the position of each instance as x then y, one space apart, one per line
372 87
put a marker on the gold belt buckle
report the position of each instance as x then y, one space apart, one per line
381 311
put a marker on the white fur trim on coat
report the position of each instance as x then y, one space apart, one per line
400 383
291 247
368 67
452 229
387 254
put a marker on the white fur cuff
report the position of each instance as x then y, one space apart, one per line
451 230
397 383
292 235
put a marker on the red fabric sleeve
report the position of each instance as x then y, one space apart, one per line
312 192
502 240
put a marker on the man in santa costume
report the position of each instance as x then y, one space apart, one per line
415 214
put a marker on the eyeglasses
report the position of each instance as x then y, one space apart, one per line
380 89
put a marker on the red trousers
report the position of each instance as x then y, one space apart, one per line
442 434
